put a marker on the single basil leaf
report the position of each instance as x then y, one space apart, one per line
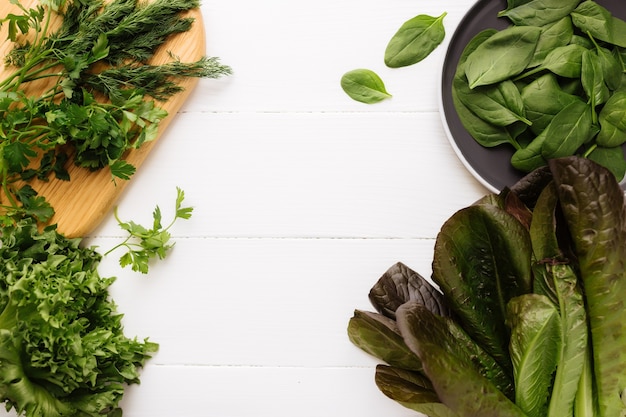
552 36
458 383
481 261
592 76
505 54
592 203
535 345
612 120
364 85
568 131
415 40
543 99
400 284
379 336
539 12
599 23
412 390
611 158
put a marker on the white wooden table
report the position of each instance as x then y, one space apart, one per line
302 198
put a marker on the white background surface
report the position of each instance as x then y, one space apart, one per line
302 198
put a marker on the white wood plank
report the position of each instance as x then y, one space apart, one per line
305 174
245 392
258 302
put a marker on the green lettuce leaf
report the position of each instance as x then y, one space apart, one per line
593 205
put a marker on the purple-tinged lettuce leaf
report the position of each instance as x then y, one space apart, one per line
379 336
400 284
482 260
593 205
412 390
455 378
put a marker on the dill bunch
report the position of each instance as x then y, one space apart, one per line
103 93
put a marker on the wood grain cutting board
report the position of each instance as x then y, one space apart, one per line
81 203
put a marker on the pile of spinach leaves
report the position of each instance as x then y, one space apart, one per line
550 85
526 314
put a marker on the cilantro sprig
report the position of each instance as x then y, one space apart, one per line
144 244
101 95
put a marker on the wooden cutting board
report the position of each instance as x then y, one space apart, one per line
81 203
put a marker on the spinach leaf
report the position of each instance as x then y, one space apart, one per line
483 132
543 99
565 61
599 23
458 383
468 266
411 390
568 131
364 85
611 158
593 206
612 120
530 157
539 12
592 76
535 345
503 55
498 104
611 67
415 40
552 36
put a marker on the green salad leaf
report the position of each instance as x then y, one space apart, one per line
62 347
529 318
566 60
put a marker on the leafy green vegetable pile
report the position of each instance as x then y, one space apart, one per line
550 85
526 317
62 347
101 92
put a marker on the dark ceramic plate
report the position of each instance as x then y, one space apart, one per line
490 166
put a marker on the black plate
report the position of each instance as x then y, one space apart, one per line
490 166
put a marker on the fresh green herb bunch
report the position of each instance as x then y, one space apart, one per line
62 347
101 92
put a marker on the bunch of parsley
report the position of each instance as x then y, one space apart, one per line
101 95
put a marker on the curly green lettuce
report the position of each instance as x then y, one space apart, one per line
63 351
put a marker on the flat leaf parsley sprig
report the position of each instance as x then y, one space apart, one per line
144 244
100 91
